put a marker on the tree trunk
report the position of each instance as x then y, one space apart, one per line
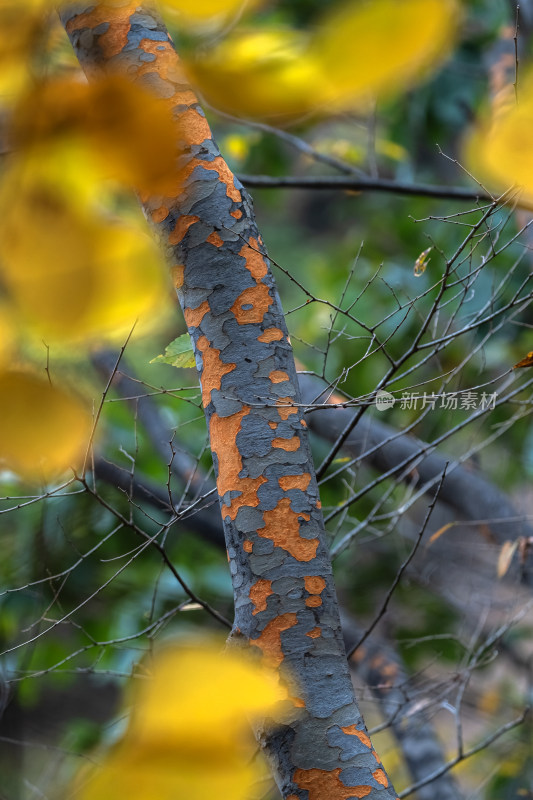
285 602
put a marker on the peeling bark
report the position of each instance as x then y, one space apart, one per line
285 602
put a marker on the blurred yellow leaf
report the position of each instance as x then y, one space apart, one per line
202 707
205 10
363 49
21 32
507 552
131 132
71 274
375 48
268 73
189 736
500 148
43 430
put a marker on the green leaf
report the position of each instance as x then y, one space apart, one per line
178 353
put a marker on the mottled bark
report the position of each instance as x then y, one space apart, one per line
285 602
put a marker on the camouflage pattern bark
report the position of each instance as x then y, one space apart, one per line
285 601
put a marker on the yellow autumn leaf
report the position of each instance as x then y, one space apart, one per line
500 150
170 774
43 430
70 274
206 10
131 133
365 48
189 734
205 709
505 557
268 73
21 32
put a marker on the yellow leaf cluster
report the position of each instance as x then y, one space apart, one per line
362 50
189 734
206 10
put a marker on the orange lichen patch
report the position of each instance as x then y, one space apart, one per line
273 425
318 504
258 298
314 634
118 23
193 317
303 423
159 214
313 601
194 128
290 445
247 546
255 261
286 407
353 731
259 593
213 368
269 641
380 777
182 226
215 239
237 213
278 376
177 274
282 526
270 335
288 482
320 784
314 584
218 165
223 434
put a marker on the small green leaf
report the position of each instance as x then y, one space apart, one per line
178 353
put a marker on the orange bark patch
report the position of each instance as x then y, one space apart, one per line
115 37
237 213
182 226
282 526
273 425
177 274
215 239
313 601
259 300
247 546
223 433
159 214
321 784
270 335
314 634
353 731
288 482
213 370
269 641
193 317
218 164
255 260
380 777
259 592
291 445
278 376
303 423
285 406
314 584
